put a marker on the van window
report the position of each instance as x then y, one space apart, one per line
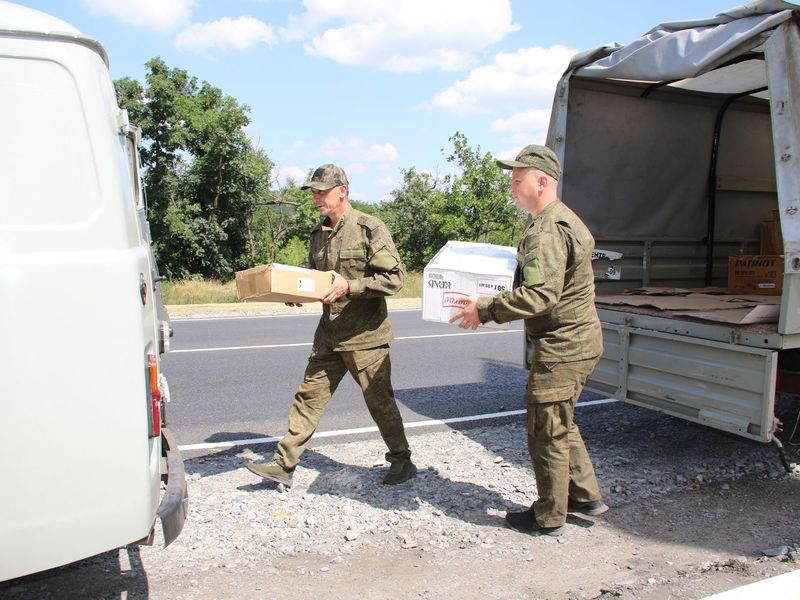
47 171
135 168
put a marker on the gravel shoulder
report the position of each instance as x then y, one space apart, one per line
693 509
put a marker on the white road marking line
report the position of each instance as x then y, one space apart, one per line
187 319
373 429
299 344
239 317
222 348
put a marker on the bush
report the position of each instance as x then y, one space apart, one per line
412 287
196 290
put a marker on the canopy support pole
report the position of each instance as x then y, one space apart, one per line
711 193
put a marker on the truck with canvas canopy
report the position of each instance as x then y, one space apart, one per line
681 153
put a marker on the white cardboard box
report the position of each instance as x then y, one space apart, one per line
463 269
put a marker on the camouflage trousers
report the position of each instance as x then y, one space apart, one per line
561 464
372 370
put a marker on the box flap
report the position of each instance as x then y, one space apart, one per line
766 313
474 257
726 308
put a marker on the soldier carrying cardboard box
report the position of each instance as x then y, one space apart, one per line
354 331
553 291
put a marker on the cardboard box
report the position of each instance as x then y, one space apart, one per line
770 238
756 274
281 283
463 269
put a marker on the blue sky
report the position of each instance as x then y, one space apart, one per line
375 86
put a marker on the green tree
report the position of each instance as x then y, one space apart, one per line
476 205
284 221
472 205
195 238
408 216
204 179
294 216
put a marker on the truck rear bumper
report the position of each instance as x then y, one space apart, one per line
175 502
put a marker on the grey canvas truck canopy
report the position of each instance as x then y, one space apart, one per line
676 148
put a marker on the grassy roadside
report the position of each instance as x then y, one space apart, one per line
206 291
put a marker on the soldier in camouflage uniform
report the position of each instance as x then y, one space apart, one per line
354 331
554 292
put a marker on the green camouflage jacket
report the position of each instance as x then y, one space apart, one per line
361 250
553 289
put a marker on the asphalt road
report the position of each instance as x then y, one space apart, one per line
233 378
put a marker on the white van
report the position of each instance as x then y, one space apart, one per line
85 462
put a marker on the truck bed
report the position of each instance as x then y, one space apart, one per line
716 373
754 323
761 328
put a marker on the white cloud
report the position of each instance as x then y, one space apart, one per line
225 34
297 146
156 15
360 196
363 162
354 149
282 174
527 127
513 80
401 35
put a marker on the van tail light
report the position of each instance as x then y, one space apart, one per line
153 397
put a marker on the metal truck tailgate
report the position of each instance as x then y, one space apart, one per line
727 386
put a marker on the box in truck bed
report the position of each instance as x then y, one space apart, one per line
707 304
756 274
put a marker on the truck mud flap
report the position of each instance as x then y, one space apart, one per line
175 502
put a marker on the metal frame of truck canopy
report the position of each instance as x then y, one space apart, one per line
674 148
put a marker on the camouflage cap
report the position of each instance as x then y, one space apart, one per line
538 157
326 177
